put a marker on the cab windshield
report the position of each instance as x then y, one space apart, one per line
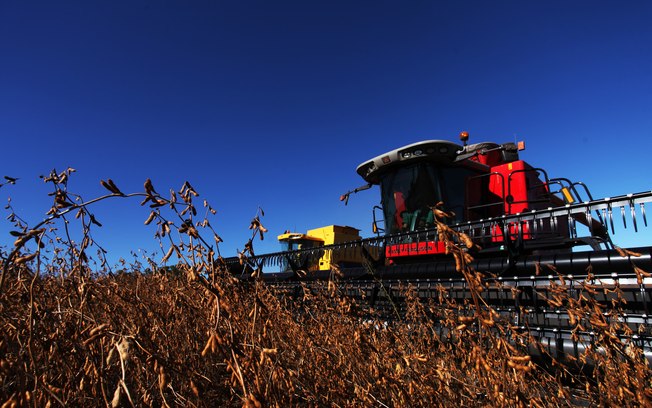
408 193
295 244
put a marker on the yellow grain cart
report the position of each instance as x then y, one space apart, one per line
318 237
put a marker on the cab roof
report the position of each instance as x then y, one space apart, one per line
438 151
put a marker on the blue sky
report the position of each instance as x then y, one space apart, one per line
274 104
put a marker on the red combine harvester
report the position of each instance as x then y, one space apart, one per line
484 181
521 220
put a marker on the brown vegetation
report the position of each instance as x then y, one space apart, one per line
194 335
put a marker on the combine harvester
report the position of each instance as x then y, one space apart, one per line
530 230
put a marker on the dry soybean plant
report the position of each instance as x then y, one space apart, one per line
75 333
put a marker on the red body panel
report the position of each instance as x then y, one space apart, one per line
512 182
518 183
489 159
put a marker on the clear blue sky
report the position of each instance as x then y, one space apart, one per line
275 103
